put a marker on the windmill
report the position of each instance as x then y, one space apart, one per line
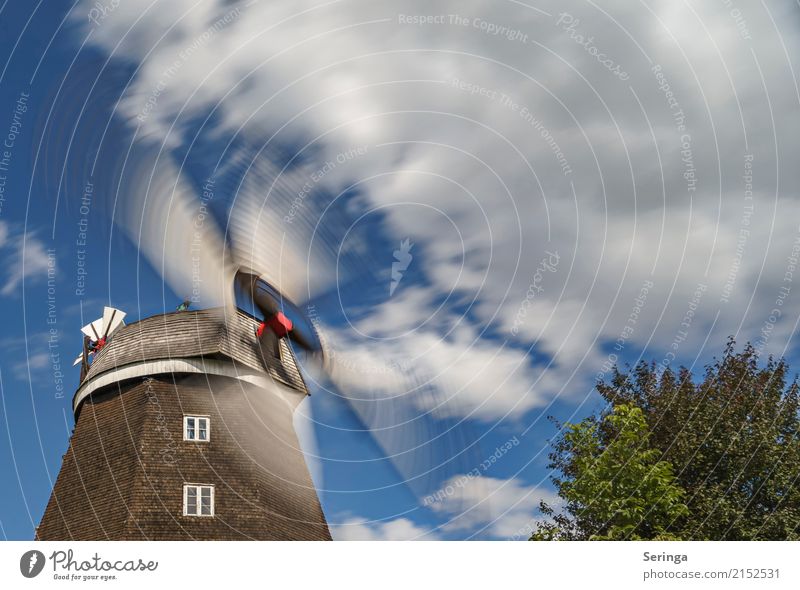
233 361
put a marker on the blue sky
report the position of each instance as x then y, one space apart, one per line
527 278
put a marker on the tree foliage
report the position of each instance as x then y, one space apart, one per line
615 488
730 441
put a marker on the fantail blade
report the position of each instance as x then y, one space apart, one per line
112 320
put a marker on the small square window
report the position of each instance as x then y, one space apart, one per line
198 500
197 428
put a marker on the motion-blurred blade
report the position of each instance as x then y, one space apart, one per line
286 230
392 402
175 231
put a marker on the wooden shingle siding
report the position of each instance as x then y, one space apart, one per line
182 366
178 334
287 370
186 334
123 475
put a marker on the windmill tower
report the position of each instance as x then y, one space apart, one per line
183 430
184 423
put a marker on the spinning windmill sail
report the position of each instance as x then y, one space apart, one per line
300 262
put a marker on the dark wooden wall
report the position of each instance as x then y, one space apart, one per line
123 475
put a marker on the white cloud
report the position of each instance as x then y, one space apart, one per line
469 507
32 366
28 258
492 507
401 529
477 377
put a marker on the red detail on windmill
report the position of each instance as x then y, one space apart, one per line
278 323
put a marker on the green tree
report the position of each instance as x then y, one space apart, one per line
731 437
615 486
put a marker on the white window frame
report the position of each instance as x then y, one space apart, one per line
198 488
195 417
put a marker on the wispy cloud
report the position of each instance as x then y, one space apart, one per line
466 507
31 367
26 257
401 529
491 507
